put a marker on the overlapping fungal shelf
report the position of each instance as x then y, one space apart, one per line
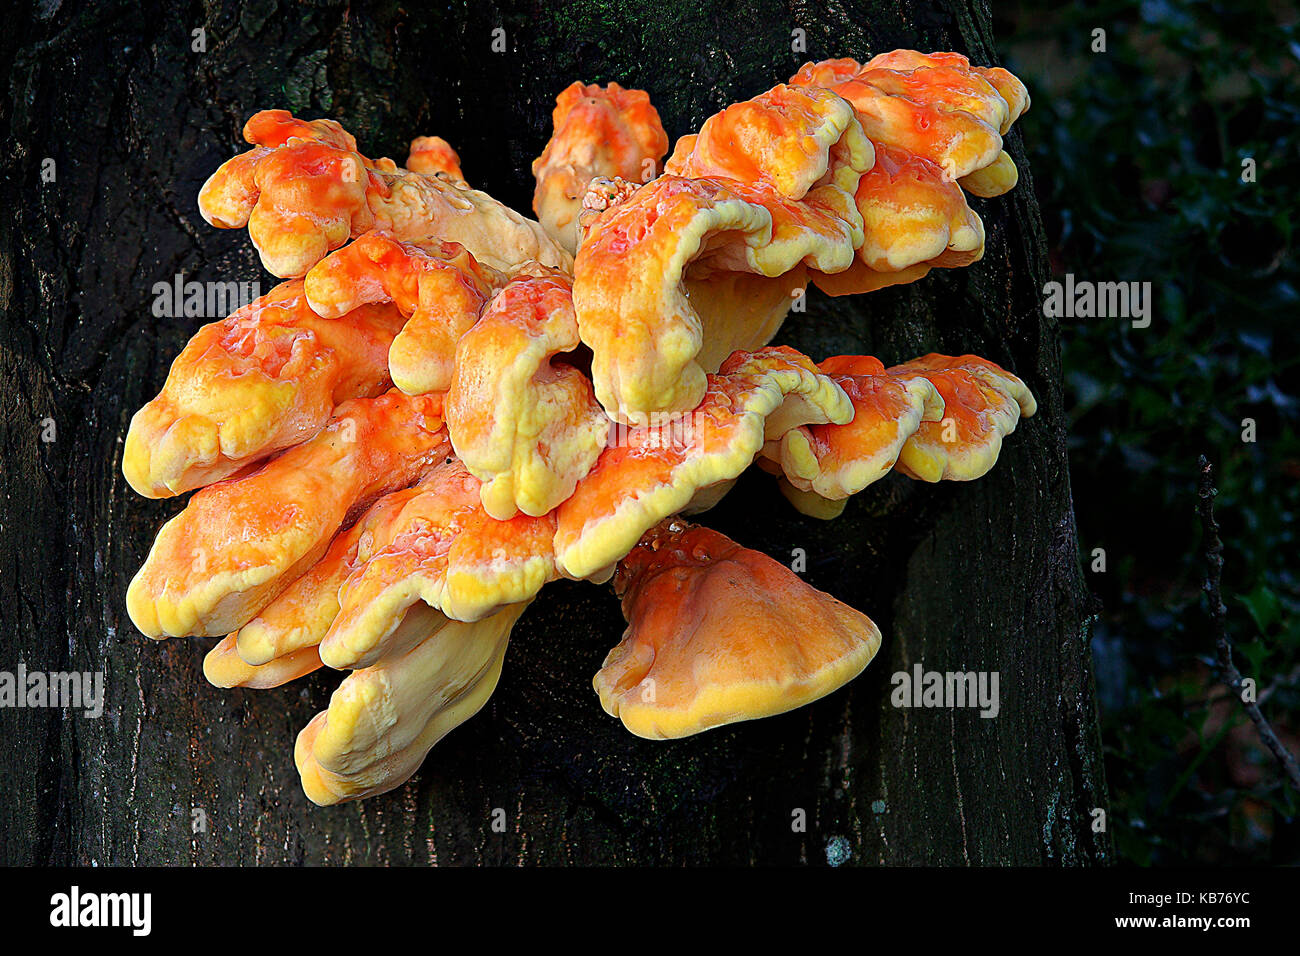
446 405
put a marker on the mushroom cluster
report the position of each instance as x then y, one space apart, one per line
446 405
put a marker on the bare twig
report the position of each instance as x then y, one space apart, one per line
1213 549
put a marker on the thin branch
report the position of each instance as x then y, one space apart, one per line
1213 550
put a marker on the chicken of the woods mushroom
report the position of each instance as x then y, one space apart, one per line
447 405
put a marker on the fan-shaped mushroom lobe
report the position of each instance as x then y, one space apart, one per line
913 215
302 614
266 377
301 190
718 633
839 460
1009 87
439 286
982 403
444 551
914 219
765 188
634 305
239 543
803 142
653 471
924 111
934 105
528 426
596 132
304 190
223 667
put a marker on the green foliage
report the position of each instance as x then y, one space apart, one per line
1137 156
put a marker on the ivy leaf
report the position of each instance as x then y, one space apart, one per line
1264 607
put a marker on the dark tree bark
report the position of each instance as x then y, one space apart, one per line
982 576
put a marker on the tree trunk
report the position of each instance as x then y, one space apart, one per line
982 576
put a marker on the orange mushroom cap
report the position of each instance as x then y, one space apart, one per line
527 426
718 633
915 215
298 190
241 542
433 156
302 614
806 145
443 551
827 73
738 311
914 218
266 377
835 461
636 304
223 667
998 177
935 105
982 403
923 110
596 132
439 286
632 308
765 188
933 418
304 190
951 87
656 470
803 142
1013 92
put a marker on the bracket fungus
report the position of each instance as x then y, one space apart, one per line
266 377
718 633
439 287
598 132
914 219
522 419
835 460
448 406
937 124
442 552
935 105
657 470
384 719
933 418
240 542
301 615
982 403
765 189
304 190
